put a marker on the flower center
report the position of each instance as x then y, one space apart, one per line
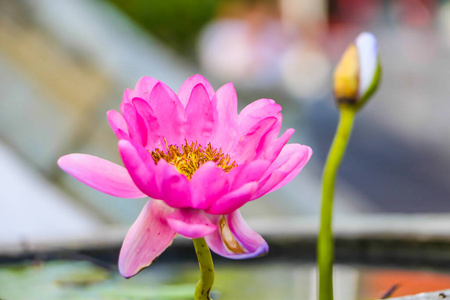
192 156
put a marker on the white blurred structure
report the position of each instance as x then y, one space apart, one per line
32 209
270 45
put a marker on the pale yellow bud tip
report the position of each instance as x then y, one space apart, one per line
346 76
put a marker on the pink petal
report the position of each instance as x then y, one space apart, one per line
257 111
142 89
147 238
170 113
288 164
101 175
128 95
273 150
191 223
248 172
144 86
208 184
175 188
235 239
150 122
233 200
118 124
184 93
253 142
199 116
255 105
254 113
136 125
140 166
224 104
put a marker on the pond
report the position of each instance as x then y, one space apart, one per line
73 280
373 254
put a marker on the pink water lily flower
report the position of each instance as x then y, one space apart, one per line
198 160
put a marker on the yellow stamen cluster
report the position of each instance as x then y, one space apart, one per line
192 156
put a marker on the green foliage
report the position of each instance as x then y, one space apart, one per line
175 22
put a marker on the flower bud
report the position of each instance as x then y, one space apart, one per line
357 75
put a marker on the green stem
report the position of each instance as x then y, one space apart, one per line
205 262
325 251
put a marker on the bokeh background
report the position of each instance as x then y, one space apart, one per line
63 64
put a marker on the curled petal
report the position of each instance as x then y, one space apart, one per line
101 175
233 200
175 188
273 150
253 115
118 124
184 93
257 111
235 239
288 164
208 184
191 223
252 144
149 236
140 166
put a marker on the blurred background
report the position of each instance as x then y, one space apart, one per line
63 64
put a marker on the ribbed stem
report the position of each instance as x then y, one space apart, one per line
204 286
325 247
